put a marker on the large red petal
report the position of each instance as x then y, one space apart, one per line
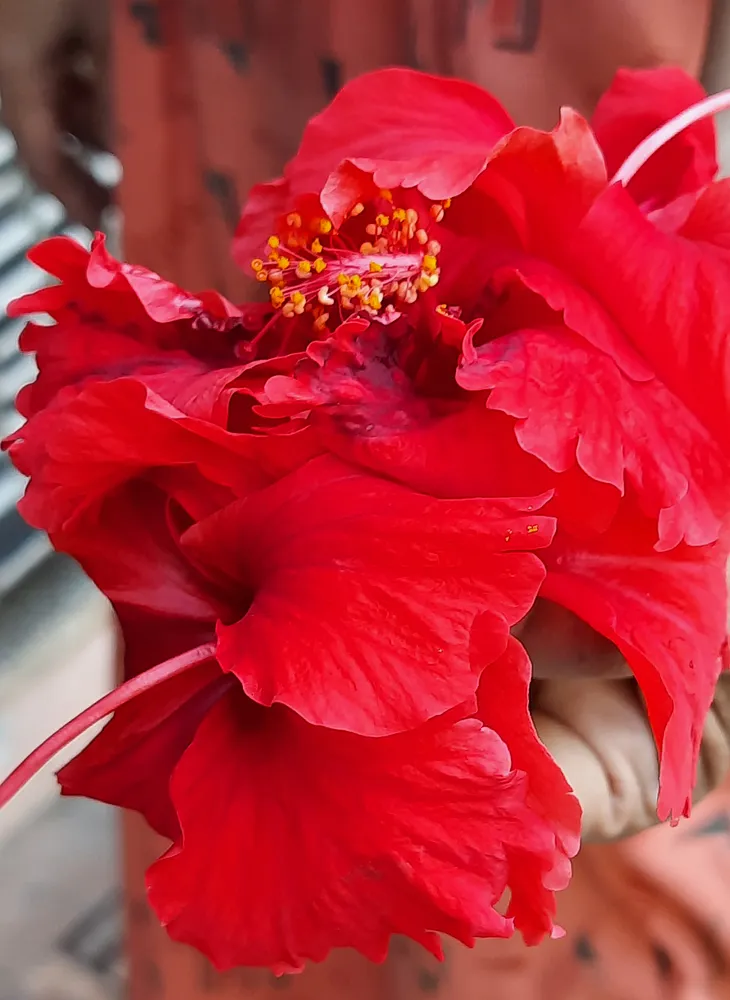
572 403
667 615
363 594
544 182
637 103
130 762
426 131
433 133
676 312
297 839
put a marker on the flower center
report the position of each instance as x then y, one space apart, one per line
315 268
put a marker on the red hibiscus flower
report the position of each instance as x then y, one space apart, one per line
284 504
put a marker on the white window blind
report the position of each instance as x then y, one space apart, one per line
26 216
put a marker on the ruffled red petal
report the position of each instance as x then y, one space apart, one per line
363 594
297 839
573 404
423 131
667 614
504 706
676 312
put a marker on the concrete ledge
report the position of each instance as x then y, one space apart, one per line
60 912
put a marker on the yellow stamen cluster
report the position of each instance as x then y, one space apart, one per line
397 262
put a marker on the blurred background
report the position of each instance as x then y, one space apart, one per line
60 910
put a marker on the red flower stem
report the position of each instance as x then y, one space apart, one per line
661 136
95 713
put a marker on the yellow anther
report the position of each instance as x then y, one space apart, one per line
294 220
422 237
374 266
277 297
399 215
316 246
320 265
283 262
532 528
342 279
273 256
366 248
257 264
442 308
274 242
297 298
262 276
385 193
375 300
304 269
324 226
355 281
382 220
430 263
357 209
447 203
